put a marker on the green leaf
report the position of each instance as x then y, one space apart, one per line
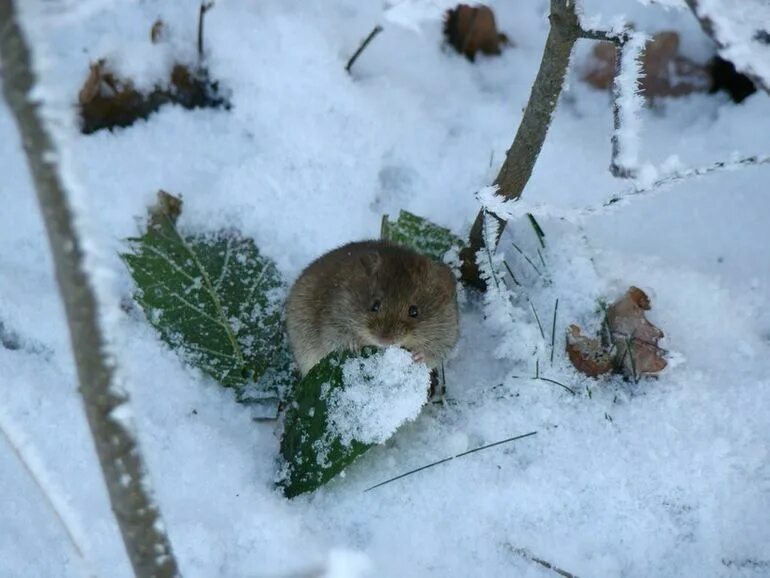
419 234
312 455
217 300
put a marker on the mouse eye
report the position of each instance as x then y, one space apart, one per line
413 311
376 306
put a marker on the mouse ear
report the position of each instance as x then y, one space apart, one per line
447 285
371 262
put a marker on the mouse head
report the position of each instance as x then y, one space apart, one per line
408 298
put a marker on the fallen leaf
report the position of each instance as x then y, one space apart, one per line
635 338
472 29
629 345
587 354
108 101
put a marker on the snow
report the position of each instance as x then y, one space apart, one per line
412 13
381 393
742 30
668 477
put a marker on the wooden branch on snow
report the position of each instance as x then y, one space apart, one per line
148 547
521 157
375 31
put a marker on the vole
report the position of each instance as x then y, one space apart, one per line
372 293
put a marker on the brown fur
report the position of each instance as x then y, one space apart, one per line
330 306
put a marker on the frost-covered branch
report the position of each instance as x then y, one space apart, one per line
509 210
627 102
143 533
675 175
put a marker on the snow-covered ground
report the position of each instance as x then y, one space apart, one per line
667 477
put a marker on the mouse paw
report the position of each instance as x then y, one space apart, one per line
418 357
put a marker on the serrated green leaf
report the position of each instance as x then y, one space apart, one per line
215 298
419 234
312 455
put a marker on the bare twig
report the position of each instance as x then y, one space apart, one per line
683 174
127 482
375 31
544 563
205 7
478 449
626 103
612 203
521 157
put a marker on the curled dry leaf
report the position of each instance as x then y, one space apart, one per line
630 346
587 354
634 336
472 29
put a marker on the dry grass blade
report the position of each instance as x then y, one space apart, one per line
442 461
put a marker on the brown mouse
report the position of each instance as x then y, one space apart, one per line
372 293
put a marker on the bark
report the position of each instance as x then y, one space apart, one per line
521 157
145 540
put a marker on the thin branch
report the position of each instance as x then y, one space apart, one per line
521 157
511 211
126 478
205 7
626 104
526 554
617 38
683 174
478 449
375 31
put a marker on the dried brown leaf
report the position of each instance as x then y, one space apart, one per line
472 29
632 348
635 338
587 354
108 101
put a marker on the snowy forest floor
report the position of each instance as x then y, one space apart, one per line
667 477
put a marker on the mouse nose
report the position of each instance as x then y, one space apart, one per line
386 340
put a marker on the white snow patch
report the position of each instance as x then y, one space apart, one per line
412 13
348 564
381 393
